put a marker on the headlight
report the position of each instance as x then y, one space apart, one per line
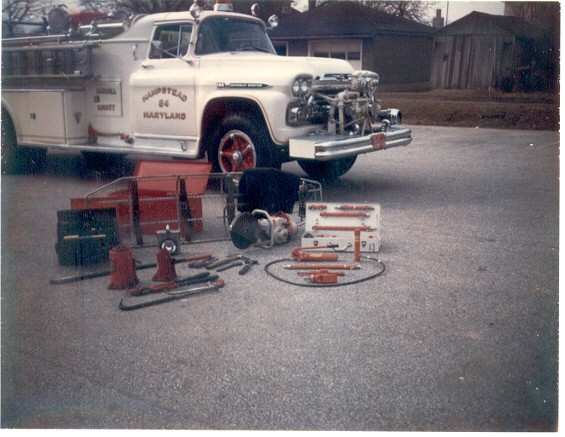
301 86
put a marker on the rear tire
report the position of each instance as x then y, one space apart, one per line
327 169
242 143
19 160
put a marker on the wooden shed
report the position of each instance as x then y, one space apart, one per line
398 49
483 50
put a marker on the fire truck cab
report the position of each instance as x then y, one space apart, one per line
196 85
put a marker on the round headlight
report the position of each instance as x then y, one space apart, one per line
304 88
296 87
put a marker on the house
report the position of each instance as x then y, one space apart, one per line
399 50
483 50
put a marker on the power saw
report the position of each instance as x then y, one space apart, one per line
262 229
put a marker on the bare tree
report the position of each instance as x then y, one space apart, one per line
20 10
412 10
544 14
15 12
137 6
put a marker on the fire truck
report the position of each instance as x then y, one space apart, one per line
198 85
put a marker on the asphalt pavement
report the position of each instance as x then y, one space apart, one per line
460 333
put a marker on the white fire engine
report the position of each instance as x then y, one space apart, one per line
199 84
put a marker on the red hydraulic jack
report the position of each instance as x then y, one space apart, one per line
299 255
122 271
322 276
165 267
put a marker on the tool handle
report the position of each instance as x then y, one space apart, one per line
193 258
220 263
245 269
197 277
230 266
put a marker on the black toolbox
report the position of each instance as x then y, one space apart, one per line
86 236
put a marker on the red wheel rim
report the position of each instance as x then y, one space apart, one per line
236 152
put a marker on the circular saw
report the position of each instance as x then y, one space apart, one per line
244 230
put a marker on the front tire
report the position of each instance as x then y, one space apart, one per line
242 143
320 170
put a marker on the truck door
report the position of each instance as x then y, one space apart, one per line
162 90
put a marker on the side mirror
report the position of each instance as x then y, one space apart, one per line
196 8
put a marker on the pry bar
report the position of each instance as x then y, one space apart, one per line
179 294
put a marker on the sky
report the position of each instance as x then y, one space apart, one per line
453 10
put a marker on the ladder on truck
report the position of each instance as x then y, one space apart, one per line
46 57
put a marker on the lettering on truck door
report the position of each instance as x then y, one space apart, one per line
163 88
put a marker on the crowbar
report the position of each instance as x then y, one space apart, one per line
177 294
177 283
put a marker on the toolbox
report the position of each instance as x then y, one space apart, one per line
85 236
334 224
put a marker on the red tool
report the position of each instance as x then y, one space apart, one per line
356 207
344 214
342 228
298 255
324 278
122 272
319 272
357 245
165 267
302 266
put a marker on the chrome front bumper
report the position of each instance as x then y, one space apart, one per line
325 147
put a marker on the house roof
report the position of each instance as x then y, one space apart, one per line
345 19
479 20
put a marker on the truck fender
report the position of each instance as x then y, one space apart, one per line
216 109
245 119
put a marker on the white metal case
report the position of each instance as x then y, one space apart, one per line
335 224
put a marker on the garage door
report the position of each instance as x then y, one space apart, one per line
350 50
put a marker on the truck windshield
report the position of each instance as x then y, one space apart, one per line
225 34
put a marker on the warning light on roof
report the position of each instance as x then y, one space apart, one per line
223 5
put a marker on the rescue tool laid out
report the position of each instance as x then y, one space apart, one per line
191 85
